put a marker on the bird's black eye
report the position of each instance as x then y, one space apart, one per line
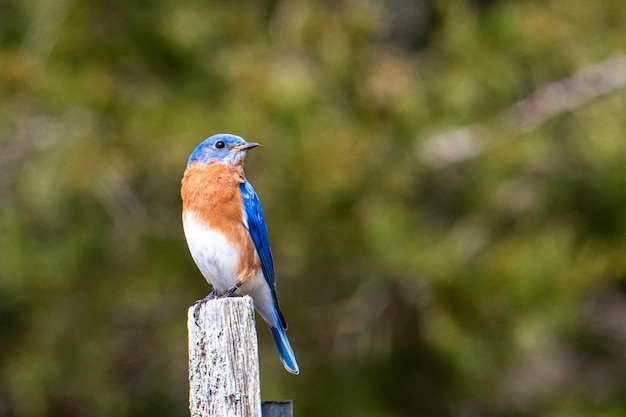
220 144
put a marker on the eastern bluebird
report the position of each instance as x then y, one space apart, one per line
226 232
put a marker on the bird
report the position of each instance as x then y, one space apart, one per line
225 230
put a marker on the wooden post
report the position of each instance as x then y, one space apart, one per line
280 408
224 375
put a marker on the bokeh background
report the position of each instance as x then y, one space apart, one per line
444 184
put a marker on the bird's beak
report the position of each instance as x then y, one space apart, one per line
245 146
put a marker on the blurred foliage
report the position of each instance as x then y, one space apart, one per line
434 257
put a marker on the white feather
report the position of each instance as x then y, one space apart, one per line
216 257
218 260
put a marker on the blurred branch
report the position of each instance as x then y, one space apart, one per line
530 113
453 146
34 134
45 28
567 94
120 200
31 135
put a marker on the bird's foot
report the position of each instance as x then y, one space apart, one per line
212 295
230 291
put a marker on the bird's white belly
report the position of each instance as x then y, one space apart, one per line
216 257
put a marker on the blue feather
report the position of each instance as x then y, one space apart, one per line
258 231
287 357
260 237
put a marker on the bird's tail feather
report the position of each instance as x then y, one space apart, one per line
287 357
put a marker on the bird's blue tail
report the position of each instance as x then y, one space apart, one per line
285 351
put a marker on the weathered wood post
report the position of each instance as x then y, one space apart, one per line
280 408
224 378
224 375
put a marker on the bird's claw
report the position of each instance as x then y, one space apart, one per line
212 295
230 291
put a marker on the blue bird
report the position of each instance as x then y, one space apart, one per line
226 232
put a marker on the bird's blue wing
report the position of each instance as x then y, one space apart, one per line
258 232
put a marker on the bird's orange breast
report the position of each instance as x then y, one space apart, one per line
212 193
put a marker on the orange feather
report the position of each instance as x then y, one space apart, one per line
212 193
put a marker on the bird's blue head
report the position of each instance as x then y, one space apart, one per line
224 148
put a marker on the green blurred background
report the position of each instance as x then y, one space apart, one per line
444 184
